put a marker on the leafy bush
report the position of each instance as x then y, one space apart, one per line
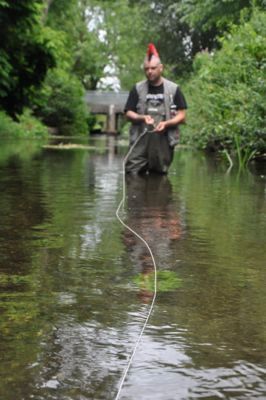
26 126
7 126
61 103
31 126
226 96
26 53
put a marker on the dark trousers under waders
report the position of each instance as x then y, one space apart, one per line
151 153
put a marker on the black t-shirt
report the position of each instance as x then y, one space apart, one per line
156 92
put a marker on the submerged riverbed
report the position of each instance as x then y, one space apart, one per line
76 286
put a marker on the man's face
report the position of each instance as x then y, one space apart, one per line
153 70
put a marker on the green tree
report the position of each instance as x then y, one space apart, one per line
104 38
209 16
87 53
62 103
26 53
227 93
165 27
183 28
125 37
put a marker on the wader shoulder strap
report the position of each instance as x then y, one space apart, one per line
169 93
137 128
142 90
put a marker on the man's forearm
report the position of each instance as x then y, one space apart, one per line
135 117
179 118
138 118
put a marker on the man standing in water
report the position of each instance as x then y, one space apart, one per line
155 106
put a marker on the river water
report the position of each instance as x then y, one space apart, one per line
76 285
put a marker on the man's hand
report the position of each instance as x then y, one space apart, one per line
148 120
178 119
161 127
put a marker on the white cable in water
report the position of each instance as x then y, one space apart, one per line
154 264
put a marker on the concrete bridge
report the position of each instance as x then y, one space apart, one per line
110 104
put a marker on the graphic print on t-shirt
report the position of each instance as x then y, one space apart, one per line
155 106
155 97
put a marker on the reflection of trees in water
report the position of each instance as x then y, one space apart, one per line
153 214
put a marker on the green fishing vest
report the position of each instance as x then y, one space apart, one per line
168 105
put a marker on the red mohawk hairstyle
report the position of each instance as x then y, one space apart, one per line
152 52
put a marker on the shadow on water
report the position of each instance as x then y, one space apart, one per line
76 285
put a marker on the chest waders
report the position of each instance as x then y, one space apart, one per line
153 151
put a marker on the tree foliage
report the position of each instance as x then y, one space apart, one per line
62 103
227 93
87 59
26 53
182 28
125 39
